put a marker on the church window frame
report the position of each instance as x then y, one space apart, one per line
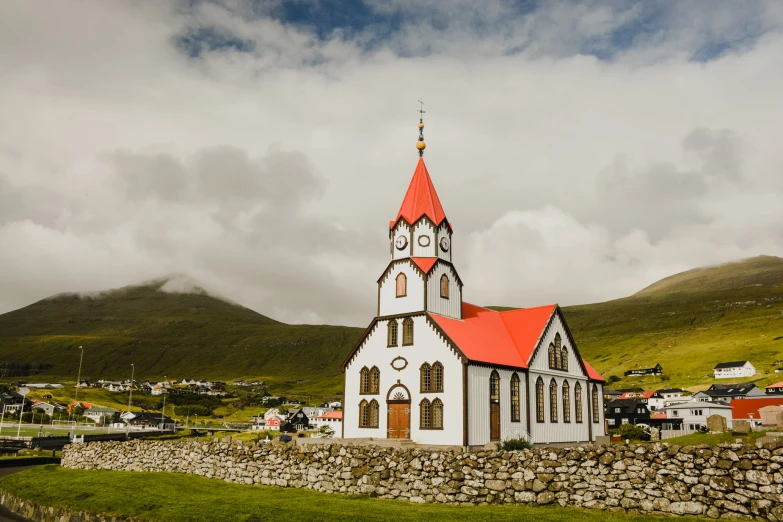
552 357
401 282
539 400
374 413
437 377
578 402
364 414
553 401
425 374
392 334
444 286
596 414
564 358
375 380
364 381
558 346
425 414
437 414
515 402
407 331
566 402
494 387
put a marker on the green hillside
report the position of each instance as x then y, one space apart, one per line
191 335
688 323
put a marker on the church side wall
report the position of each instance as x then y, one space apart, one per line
451 307
599 428
427 347
560 431
478 405
390 304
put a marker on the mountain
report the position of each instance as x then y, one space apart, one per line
181 334
688 323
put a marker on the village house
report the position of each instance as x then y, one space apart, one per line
626 411
775 389
645 372
434 369
47 408
728 392
694 413
101 415
735 369
332 419
149 420
651 398
748 409
674 395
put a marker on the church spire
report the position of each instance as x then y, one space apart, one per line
420 144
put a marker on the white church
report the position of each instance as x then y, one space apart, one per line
436 370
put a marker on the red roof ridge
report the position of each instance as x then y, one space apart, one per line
421 199
425 263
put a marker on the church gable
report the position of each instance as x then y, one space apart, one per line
401 289
556 350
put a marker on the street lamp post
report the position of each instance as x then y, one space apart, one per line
130 388
24 392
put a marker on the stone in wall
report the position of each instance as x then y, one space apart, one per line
726 481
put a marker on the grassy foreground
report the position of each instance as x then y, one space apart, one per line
174 498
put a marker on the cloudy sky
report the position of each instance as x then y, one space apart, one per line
582 150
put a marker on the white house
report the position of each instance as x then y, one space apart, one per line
694 413
332 419
734 369
436 370
273 412
673 396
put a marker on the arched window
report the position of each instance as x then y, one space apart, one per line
564 358
375 380
392 340
557 351
552 360
402 285
364 414
596 417
553 401
437 377
578 401
425 413
539 400
364 381
494 387
566 402
373 414
437 414
407 331
444 286
515 398
426 377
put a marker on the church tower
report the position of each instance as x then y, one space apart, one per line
420 276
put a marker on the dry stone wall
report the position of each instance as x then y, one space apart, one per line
726 481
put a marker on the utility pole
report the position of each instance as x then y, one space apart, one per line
78 378
24 392
163 411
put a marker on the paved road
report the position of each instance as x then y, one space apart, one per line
5 515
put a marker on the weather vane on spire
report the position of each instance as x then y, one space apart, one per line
421 145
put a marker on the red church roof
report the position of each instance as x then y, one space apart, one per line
425 263
502 338
421 199
743 408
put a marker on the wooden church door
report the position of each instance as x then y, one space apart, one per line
399 420
494 421
398 402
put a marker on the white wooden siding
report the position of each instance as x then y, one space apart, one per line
444 231
424 229
390 304
401 229
427 347
541 360
451 307
478 405
560 431
599 428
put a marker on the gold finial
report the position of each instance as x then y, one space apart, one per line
420 144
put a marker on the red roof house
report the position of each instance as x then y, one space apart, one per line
748 409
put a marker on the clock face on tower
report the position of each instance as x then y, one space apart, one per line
444 244
401 242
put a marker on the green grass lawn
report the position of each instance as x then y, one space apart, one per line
715 438
179 498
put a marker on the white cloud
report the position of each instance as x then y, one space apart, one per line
269 176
